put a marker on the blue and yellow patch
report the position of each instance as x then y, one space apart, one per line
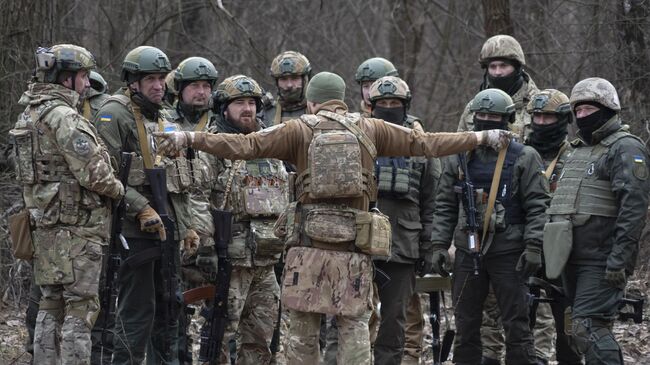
105 118
638 159
639 169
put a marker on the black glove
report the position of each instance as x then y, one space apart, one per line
424 264
206 259
440 261
615 277
530 260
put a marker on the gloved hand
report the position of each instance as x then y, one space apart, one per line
440 261
424 264
496 138
206 259
171 143
150 222
190 243
615 277
530 260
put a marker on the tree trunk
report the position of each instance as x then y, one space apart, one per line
496 15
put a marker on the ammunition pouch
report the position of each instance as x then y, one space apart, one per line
240 241
264 238
24 152
20 228
177 171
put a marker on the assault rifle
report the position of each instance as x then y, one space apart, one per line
469 199
217 314
435 287
108 296
158 181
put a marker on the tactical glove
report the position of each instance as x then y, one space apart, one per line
171 143
496 138
424 264
530 260
150 222
206 259
440 261
190 243
615 277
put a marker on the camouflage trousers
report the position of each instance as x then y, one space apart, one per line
67 312
353 339
253 300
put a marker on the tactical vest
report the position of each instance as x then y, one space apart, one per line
481 174
335 168
259 189
579 190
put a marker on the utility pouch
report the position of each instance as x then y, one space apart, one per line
264 201
20 229
331 225
267 243
52 261
24 150
373 233
70 196
178 175
287 226
237 247
558 241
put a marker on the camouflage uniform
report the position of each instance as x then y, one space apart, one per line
141 322
66 177
601 200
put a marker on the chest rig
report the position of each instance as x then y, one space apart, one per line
259 189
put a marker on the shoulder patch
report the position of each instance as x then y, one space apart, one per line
640 169
81 145
105 118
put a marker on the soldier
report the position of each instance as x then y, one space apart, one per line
146 304
291 71
406 192
367 73
551 114
95 96
66 177
510 246
325 272
596 218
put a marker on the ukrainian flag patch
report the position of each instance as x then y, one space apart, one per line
638 159
105 118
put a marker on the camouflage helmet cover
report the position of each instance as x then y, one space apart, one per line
597 90
195 69
501 46
144 60
169 83
290 63
375 68
389 87
549 101
492 101
62 57
238 86
97 82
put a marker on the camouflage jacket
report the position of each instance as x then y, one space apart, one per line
64 168
521 125
116 125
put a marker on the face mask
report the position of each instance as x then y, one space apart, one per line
483 125
392 115
592 122
510 83
291 95
548 137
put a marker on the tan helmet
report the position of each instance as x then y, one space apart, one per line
596 90
389 87
290 63
501 46
61 57
549 101
374 68
238 86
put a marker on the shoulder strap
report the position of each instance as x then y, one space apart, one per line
277 118
202 123
120 98
86 112
310 119
551 166
351 125
493 190
147 157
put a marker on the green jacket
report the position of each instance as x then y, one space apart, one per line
116 125
529 186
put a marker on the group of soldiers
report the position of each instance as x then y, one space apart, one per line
318 199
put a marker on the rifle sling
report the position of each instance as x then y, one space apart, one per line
493 190
147 157
551 166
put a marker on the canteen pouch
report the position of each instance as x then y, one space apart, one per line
20 229
331 225
266 242
558 241
287 226
373 233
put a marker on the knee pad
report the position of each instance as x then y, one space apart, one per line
588 332
86 309
54 307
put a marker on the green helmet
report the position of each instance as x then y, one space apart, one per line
194 69
389 87
493 101
144 60
501 46
97 82
61 57
595 90
549 101
325 86
238 86
375 68
290 63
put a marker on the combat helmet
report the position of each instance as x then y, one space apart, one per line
238 86
595 90
194 69
494 101
61 57
549 101
144 60
290 63
97 82
375 68
389 87
501 46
